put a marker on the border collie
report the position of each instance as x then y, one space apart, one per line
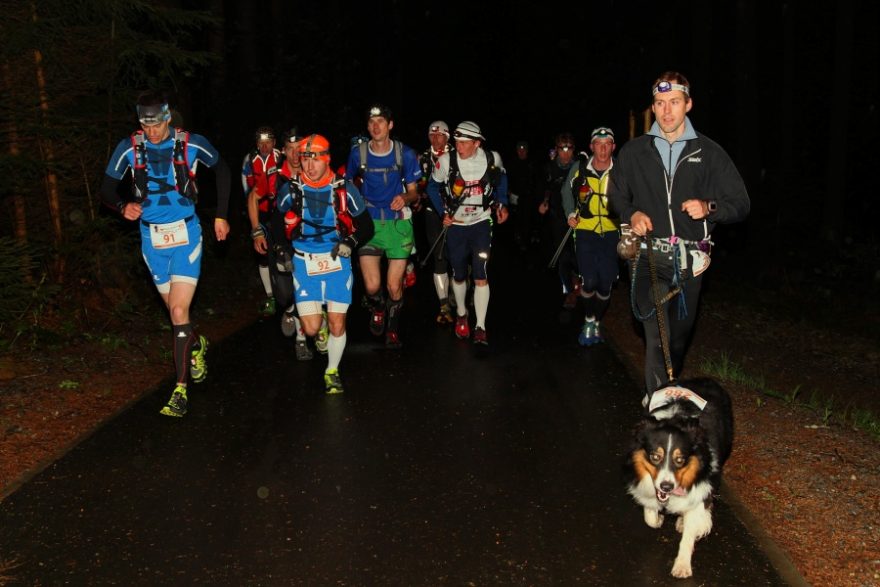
679 451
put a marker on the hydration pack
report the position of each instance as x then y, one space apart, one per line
293 218
184 177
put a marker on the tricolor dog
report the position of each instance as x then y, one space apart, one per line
680 449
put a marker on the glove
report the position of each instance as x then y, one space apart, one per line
340 250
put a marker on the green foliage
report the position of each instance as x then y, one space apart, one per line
819 402
68 384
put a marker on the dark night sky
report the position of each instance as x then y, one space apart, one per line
762 75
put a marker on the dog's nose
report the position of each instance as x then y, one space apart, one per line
667 487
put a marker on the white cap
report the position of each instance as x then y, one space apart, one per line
468 131
438 126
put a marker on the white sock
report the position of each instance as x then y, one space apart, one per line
335 346
441 284
267 282
459 289
481 304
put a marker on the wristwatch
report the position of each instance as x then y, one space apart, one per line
712 206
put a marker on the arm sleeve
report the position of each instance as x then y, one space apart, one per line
729 192
363 229
109 196
567 197
619 196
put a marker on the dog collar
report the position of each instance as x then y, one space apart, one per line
667 395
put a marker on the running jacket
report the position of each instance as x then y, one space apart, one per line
703 171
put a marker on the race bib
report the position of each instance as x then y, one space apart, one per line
321 263
169 235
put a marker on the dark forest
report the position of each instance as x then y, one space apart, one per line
789 90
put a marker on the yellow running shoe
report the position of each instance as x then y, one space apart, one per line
198 369
333 382
176 406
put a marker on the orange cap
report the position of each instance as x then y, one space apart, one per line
315 146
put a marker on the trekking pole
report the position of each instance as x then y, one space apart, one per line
559 249
440 237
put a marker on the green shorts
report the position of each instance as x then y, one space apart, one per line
393 238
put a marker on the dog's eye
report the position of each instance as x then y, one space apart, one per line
655 457
679 461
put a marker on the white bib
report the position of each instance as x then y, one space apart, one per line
169 235
321 263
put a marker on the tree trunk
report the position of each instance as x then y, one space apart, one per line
835 158
48 151
21 232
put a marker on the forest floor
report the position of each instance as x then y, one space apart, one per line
799 466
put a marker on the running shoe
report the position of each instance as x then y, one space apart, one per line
480 336
303 352
444 318
267 307
392 340
288 324
377 321
198 368
176 406
462 330
588 333
333 382
323 336
597 334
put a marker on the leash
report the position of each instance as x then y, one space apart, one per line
658 306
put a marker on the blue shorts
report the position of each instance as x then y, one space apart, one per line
180 263
323 289
472 243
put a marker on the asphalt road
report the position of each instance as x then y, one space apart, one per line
442 464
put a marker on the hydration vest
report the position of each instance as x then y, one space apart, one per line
363 147
490 180
184 177
293 218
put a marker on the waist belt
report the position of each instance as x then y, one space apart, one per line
667 245
187 219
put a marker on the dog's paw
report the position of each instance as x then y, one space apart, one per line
679 524
681 569
653 518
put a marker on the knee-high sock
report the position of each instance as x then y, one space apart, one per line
481 304
601 304
441 285
267 281
459 290
335 346
184 338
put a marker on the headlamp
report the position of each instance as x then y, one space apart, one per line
153 114
666 86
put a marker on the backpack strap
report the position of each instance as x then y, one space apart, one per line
184 176
139 172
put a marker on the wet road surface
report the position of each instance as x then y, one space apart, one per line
441 464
